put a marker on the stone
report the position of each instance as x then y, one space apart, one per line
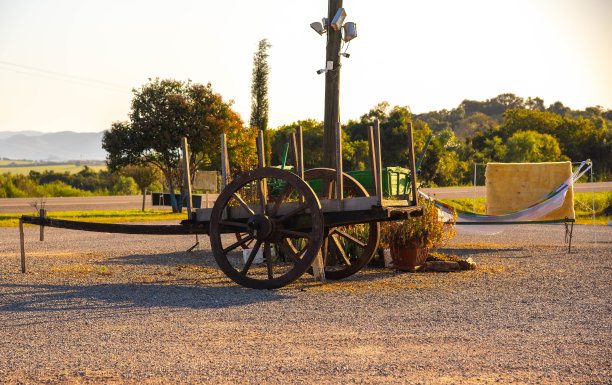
467 264
442 266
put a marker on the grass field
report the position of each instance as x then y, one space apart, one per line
25 170
102 216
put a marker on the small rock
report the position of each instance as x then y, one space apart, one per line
467 264
442 266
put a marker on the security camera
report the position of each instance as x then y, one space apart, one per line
318 27
322 71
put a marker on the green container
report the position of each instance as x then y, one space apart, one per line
395 181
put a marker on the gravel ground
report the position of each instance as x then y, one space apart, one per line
107 308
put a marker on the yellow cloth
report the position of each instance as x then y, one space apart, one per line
514 186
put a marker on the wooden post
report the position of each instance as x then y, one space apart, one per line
318 268
372 153
225 172
187 177
22 243
294 151
262 184
43 215
332 87
300 146
206 194
261 154
412 165
339 185
377 158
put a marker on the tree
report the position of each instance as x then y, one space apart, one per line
259 92
143 176
164 111
531 146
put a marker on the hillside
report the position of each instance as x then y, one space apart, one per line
64 145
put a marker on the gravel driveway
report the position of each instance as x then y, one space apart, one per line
107 308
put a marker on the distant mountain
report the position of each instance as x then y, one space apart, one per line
8 134
66 145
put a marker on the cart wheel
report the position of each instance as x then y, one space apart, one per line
347 248
243 207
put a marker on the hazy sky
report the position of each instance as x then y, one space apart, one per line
71 64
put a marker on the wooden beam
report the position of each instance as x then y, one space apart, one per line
43 214
377 158
412 164
372 155
22 243
300 146
187 177
339 175
225 170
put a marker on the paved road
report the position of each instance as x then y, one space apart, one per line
468 192
24 205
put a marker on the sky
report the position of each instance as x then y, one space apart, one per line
70 65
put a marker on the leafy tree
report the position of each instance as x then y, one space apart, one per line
164 111
259 92
558 108
536 104
312 136
528 120
144 178
531 146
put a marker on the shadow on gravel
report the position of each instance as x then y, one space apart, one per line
167 259
50 298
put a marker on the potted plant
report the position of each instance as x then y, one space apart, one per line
411 240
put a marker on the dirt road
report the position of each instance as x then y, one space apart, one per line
107 308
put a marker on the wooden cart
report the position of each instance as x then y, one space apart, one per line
284 232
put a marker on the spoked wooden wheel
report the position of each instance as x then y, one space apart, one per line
293 217
346 249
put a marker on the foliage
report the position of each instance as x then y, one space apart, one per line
259 92
428 230
162 113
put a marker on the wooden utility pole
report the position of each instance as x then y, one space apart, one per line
332 88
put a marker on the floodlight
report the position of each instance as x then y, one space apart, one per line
338 19
346 55
318 27
322 71
350 31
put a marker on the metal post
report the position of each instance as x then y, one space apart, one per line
474 204
187 178
593 201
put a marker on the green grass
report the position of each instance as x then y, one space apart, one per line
583 203
102 216
61 168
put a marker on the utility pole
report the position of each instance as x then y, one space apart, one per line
332 88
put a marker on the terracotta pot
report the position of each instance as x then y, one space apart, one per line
408 258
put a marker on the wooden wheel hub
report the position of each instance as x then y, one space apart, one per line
260 227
